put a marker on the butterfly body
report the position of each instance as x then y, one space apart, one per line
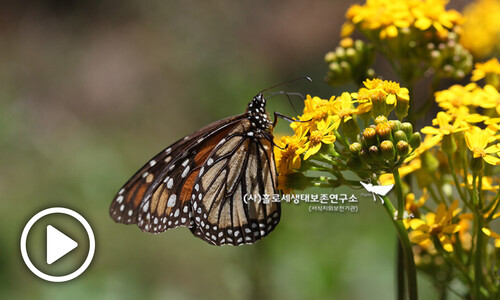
200 182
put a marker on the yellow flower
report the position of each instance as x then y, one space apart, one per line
433 13
477 141
488 97
287 154
486 183
437 224
324 133
481 70
481 30
384 15
315 109
383 95
389 16
445 128
344 108
412 207
456 96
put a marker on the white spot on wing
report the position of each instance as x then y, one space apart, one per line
185 172
171 200
170 183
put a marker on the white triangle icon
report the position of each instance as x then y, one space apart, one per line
58 244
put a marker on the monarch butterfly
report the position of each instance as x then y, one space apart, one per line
201 181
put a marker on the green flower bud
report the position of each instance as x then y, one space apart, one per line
369 137
448 144
374 152
407 128
355 149
387 149
380 119
395 125
330 57
352 56
429 162
476 164
335 67
346 69
403 148
400 136
359 45
415 140
383 131
340 52
402 106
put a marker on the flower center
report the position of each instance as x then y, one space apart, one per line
478 152
435 229
316 137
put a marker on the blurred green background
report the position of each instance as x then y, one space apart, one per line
90 90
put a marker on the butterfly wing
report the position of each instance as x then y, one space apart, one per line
156 197
240 165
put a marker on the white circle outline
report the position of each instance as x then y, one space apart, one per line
65 211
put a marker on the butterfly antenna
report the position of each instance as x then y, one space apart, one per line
285 82
287 94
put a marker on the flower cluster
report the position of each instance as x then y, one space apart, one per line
481 30
447 187
390 18
350 61
327 136
415 36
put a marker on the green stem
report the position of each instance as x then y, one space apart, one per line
435 182
411 271
399 193
400 271
463 196
478 278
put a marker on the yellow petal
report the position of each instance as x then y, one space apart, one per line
417 223
495 161
423 23
451 228
418 236
490 233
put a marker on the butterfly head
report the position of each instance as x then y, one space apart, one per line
257 114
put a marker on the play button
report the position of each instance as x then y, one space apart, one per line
58 244
64 258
